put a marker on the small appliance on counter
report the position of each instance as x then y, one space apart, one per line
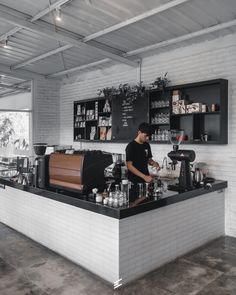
185 157
80 171
200 173
117 170
25 175
41 165
198 177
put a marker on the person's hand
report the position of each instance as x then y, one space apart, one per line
147 178
157 166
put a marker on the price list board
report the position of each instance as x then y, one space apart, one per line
127 114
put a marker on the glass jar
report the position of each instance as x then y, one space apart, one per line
125 190
110 199
140 190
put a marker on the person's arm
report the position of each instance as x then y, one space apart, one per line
131 168
154 164
151 161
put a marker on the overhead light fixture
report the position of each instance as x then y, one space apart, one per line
58 14
3 43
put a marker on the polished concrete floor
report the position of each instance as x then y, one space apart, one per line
27 268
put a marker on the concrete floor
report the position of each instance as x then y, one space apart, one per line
27 268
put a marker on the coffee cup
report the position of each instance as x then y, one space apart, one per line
204 137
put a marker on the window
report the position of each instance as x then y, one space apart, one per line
15 132
15 125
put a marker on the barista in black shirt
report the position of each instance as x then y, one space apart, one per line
139 155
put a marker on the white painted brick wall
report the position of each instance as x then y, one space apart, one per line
46 111
207 60
150 239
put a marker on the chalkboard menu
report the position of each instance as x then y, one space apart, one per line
127 114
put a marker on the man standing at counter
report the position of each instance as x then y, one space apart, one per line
139 155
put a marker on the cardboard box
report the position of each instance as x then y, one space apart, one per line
189 109
176 92
175 110
181 102
182 109
175 97
197 107
194 108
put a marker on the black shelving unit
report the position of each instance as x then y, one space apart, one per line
92 119
210 127
159 115
212 124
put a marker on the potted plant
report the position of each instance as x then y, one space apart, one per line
107 92
131 92
161 82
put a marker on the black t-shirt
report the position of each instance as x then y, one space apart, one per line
138 154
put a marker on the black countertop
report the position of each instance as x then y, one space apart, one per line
136 207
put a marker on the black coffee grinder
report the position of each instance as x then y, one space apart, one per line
41 166
185 157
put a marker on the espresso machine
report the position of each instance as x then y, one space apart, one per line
79 172
183 156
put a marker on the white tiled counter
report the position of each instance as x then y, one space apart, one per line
115 248
85 237
153 238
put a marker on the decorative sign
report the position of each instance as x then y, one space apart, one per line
127 115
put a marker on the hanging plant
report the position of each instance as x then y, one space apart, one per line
130 92
108 91
140 89
161 82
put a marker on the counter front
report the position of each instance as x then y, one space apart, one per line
115 243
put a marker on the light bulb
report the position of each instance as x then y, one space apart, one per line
58 14
5 44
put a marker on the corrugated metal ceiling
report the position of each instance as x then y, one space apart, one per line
54 53
11 85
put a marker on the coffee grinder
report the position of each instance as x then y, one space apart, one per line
185 157
41 166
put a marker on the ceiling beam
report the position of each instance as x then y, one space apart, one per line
155 46
48 9
34 18
12 92
9 33
15 87
103 32
183 38
42 56
135 19
20 73
83 67
66 38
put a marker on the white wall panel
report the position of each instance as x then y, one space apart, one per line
21 101
46 111
198 62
